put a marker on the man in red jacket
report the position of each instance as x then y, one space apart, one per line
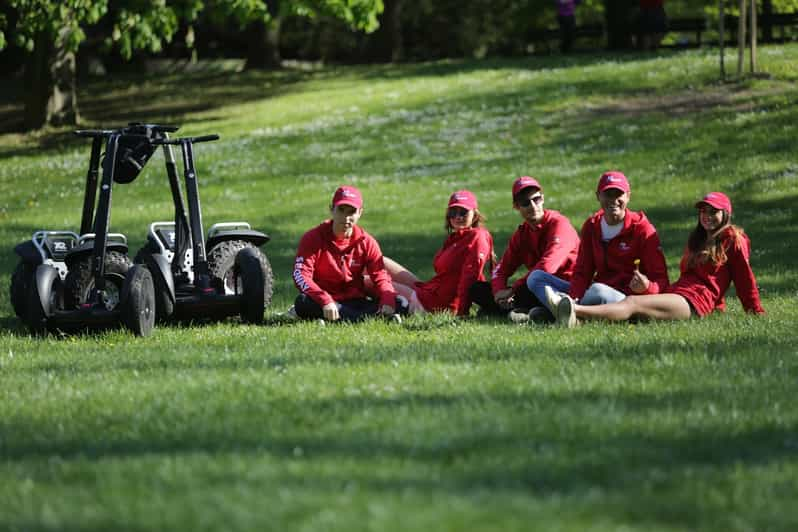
619 251
546 242
331 262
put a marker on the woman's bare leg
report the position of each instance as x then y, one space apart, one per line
399 273
655 306
403 290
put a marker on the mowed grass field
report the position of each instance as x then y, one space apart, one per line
437 423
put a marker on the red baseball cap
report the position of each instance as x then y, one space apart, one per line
347 195
718 200
463 198
525 182
613 179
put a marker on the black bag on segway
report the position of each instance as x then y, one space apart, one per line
132 155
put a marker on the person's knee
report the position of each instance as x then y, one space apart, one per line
600 294
535 279
306 308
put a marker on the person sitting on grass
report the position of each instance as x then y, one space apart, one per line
619 252
545 242
717 254
458 264
331 264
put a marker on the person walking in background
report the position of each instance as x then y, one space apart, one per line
459 263
545 243
567 20
619 252
652 24
331 264
717 254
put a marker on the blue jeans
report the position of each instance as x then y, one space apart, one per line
538 280
600 293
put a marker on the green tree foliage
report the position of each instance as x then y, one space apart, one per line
52 30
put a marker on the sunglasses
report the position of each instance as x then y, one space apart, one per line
526 202
456 212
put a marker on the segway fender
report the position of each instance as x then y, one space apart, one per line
161 267
256 238
28 252
45 275
126 284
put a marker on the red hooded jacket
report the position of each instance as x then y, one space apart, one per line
330 270
550 246
612 263
704 285
458 264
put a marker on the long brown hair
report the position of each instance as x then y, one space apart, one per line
479 221
703 247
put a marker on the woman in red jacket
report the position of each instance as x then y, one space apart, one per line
458 264
332 263
717 254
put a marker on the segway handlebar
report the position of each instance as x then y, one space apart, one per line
192 140
132 129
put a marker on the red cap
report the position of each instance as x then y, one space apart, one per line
613 179
719 200
463 198
347 195
525 182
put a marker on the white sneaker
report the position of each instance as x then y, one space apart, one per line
395 318
518 317
290 314
552 298
566 313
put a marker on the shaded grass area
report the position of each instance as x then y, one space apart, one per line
438 423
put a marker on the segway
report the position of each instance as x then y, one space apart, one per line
233 277
69 280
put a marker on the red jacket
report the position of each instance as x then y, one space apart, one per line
550 246
704 285
613 263
458 264
330 270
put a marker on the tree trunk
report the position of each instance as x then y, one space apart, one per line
741 38
722 38
767 25
387 44
50 86
753 36
263 51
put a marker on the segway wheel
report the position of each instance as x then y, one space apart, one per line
80 279
21 281
250 275
224 272
138 308
164 307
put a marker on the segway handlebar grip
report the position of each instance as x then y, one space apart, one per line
204 138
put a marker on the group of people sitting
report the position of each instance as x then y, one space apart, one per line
614 269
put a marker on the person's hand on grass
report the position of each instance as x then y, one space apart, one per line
504 298
330 311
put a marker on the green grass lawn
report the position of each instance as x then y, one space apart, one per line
435 424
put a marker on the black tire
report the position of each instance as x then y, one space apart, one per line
80 281
21 281
224 274
138 308
164 307
252 279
